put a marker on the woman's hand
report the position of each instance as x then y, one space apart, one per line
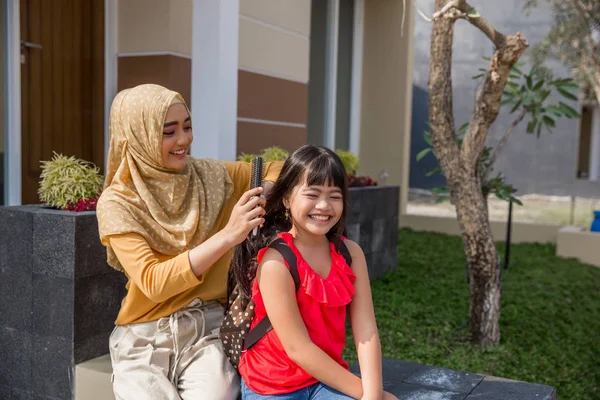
246 215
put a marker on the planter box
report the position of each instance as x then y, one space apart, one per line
58 299
579 243
373 223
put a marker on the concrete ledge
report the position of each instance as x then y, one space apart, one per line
522 232
407 380
93 379
579 243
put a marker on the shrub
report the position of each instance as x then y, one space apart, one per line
349 160
274 153
70 183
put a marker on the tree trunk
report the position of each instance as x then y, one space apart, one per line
460 165
596 82
482 258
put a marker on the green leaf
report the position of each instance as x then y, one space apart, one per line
554 111
566 94
539 130
568 111
512 85
508 100
427 137
433 171
573 86
549 121
472 13
462 129
529 82
478 76
423 153
517 70
538 85
531 125
534 70
516 106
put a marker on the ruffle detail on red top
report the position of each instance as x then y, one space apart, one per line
335 290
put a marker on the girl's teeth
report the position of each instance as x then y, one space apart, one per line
320 217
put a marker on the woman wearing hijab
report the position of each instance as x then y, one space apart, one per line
169 222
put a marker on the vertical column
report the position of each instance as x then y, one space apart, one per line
357 62
331 57
111 35
13 88
215 78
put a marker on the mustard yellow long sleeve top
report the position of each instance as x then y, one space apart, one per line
160 284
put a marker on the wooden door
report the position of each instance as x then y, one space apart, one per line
62 84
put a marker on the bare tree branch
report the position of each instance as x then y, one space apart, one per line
441 115
487 101
501 144
444 10
483 25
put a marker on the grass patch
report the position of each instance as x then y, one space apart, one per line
550 321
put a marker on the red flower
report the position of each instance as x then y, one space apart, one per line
83 205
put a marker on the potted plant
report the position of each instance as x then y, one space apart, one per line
52 263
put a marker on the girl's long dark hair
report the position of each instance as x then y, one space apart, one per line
319 166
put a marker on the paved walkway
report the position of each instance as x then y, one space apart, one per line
413 381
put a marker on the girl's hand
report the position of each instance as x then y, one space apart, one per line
389 396
385 396
245 215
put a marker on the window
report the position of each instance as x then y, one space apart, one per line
589 143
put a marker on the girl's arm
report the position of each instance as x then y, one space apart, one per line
279 295
364 327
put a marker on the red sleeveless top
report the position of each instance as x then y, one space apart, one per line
266 368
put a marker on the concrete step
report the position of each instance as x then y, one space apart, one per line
407 380
93 379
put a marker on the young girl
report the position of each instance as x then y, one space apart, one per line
301 358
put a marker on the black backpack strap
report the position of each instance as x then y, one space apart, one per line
343 249
264 326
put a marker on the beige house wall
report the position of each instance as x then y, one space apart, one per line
155 44
155 26
521 232
274 44
387 93
573 242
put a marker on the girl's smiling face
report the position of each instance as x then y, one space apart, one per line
315 209
177 137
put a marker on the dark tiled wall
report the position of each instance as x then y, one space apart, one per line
58 300
373 224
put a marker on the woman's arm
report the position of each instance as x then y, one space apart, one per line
364 327
279 295
160 281
245 216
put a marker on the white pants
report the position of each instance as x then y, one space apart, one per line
177 357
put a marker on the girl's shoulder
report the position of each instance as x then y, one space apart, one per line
353 247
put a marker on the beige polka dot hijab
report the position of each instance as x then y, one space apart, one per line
173 210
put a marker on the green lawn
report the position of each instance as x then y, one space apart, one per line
550 321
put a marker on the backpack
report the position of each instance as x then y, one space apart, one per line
235 333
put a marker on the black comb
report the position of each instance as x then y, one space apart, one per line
256 181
